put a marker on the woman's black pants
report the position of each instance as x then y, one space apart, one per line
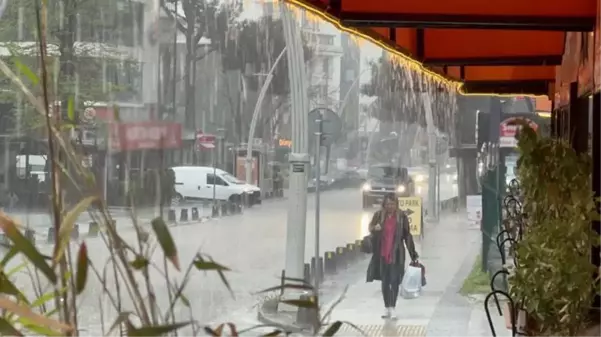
391 281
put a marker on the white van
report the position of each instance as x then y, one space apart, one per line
197 183
37 166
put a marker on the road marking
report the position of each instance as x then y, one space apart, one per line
383 330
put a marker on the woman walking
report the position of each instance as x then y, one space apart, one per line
390 233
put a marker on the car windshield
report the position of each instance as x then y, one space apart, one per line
231 179
384 172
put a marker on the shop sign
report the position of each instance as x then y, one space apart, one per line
145 135
509 129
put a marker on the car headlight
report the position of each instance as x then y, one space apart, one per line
400 189
366 187
419 178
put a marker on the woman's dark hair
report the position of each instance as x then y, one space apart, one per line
389 197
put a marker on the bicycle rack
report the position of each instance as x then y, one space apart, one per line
511 312
502 245
492 288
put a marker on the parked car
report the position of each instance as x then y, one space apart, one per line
202 182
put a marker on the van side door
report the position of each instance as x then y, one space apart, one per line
222 188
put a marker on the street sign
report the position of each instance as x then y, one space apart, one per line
412 206
204 141
331 125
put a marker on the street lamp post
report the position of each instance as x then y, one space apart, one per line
299 157
219 136
255 118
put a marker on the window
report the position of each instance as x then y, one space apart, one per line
212 179
326 40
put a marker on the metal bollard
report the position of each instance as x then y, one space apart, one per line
317 269
93 229
194 212
351 251
320 270
224 209
330 263
75 232
183 214
51 235
306 316
307 273
30 235
215 211
341 258
359 245
171 215
233 209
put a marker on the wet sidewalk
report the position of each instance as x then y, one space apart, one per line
448 251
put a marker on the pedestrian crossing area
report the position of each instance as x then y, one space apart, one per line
382 330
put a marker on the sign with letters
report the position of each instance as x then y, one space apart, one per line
412 206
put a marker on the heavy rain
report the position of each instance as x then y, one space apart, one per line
163 162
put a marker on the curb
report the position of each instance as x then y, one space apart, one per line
187 216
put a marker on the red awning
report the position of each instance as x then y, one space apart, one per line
493 47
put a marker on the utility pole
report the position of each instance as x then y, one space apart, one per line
299 157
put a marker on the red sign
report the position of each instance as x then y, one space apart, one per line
509 129
145 135
204 141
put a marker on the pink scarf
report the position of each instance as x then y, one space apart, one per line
388 238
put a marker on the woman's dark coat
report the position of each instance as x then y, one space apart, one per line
402 235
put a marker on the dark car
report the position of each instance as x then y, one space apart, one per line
384 179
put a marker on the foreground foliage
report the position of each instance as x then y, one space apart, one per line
554 280
113 278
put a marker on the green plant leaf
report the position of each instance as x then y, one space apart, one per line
156 330
165 241
332 329
43 299
23 69
273 333
286 286
26 312
9 288
71 110
11 253
42 330
201 264
27 248
81 276
121 318
139 263
64 234
209 265
6 329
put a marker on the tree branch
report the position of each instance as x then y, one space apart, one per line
175 17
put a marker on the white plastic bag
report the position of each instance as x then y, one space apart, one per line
412 282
